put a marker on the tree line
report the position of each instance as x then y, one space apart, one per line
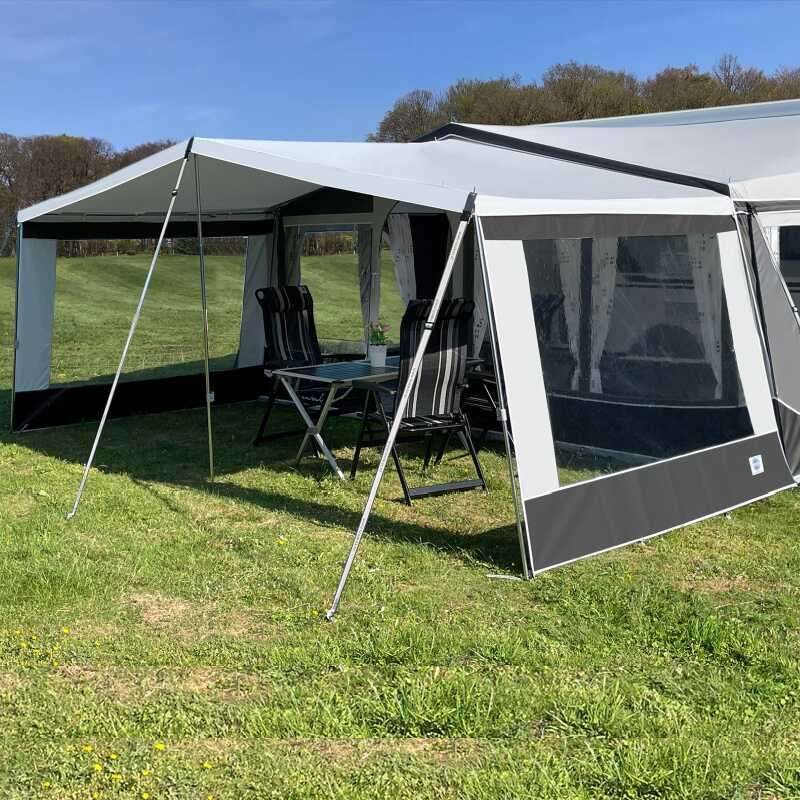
34 168
575 91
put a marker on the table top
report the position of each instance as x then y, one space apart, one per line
343 371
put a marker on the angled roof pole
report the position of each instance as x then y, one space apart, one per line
204 311
134 323
456 131
400 407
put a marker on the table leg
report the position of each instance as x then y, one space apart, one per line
323 415
312 429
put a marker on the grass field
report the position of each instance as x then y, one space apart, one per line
168 642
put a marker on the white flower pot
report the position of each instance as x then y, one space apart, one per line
377 355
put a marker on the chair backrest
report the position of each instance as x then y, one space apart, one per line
440 382
290 335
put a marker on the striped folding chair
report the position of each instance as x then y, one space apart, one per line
290 338
434 409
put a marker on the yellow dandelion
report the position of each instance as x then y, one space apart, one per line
113 756
206 765
65 630
159 746
145 795
46 784
87 748
146 772
55 663
34 637
97 767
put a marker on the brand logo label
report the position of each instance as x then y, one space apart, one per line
756 465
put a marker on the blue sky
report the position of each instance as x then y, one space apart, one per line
135 71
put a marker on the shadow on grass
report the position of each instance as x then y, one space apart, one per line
171 448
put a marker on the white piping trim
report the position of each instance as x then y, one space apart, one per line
667 530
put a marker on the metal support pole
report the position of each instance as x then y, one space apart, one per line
204 305
502 414
466 216
132 330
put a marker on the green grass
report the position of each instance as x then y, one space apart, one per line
178 614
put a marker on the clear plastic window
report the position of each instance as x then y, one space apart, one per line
635 345
96 297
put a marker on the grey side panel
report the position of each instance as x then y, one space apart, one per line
780 322
578 226
790 433
782 333
36 289
601 514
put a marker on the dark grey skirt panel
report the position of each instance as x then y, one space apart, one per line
607 512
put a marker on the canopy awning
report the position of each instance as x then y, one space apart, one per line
246 177
754 148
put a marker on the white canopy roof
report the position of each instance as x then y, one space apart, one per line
755 148
247 176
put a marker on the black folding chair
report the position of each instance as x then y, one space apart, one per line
290 337
434 409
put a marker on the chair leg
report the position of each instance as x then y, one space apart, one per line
360 440
401 475
443 448
428 448
473 452
267 411
395 456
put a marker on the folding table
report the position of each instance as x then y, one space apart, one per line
337 376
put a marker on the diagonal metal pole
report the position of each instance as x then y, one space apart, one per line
204 304
466 216
502 413
132 330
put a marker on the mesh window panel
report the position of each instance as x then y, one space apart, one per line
636 349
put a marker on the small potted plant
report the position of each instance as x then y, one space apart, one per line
377 343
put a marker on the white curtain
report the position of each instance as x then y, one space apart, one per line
604 281
773 237
259 271
403 255
480 316
364 248
294 236
707 275
568 255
